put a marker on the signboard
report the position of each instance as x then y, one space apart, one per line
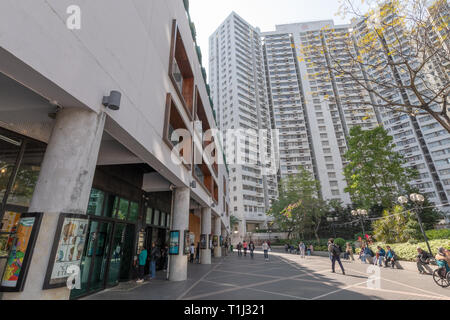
68 247
19 258
187 242
174 243
203 243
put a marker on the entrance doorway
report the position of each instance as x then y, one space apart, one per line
105 258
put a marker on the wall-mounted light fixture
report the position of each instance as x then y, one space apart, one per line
113 100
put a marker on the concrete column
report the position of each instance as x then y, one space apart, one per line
205 254
64 185
217 232
178 263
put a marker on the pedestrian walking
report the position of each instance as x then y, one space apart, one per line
192 252
197 253
286 247
155 254
302 248
244 245
251 247
142 262
239 249
265 248
335 253
165 256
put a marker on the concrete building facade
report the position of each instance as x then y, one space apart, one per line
119 169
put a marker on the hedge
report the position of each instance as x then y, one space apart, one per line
438 234
408 251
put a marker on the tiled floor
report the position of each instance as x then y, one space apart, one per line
284 277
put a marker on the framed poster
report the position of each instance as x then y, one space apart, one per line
187 242
203 244
174 242
19 258
221 241
215 240
210 241
68 248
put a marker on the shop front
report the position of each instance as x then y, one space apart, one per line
20 162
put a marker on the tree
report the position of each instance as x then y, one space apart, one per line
233 221
391 228
399 52
374 174
299 209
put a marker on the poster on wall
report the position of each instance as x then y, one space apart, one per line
215 240
210 241
203 241
187 242
68 247
221 241
174 243
19 258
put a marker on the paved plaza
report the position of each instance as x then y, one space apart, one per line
283 277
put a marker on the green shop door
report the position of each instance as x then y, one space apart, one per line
95 258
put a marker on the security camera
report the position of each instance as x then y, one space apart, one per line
113 100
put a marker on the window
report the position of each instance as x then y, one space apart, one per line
180 71
174 121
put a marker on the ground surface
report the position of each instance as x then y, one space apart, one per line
283 277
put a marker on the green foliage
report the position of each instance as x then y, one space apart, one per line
392 227
438 234
412 231
340 242
233 221
375 170
408 251
306 217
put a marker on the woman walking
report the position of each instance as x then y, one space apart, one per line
349 251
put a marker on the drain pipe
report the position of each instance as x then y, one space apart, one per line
172 188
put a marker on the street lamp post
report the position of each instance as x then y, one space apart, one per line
361 213
332 220
418 200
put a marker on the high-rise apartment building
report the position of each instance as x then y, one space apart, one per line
423 142
238 90
313 108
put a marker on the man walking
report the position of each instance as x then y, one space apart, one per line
265 248
155 254
335 253
245 248
251 247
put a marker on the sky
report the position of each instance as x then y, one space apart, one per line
207 15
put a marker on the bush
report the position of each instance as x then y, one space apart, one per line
340 242
438 234
408 252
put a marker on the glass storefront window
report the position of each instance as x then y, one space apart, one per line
149 216
156 218
9 150
168 220
134 211
162 221
123 209
111 205
95 204
27 174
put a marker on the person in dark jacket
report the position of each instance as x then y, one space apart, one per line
155 254
423 260
165 256
335 253
251 247
390 257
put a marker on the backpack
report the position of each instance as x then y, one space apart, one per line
335 250
371 253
